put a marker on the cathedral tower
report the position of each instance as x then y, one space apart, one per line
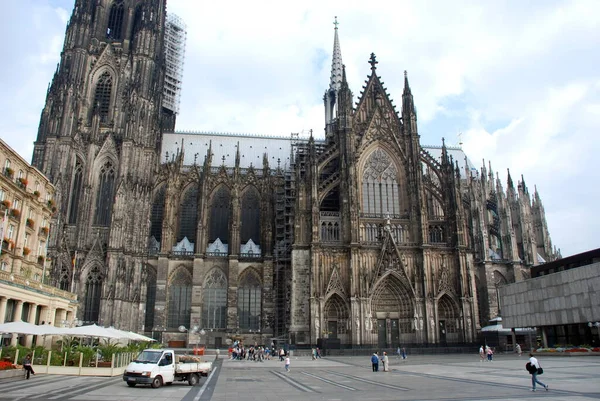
98 142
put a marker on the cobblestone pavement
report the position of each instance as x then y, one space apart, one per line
447 377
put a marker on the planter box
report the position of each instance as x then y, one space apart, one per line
12 373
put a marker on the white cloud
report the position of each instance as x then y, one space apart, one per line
521 81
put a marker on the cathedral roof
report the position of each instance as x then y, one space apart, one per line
254 146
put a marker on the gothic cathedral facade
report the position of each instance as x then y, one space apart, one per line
363 237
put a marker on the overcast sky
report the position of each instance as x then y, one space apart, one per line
520 82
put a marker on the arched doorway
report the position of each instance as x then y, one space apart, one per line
392 306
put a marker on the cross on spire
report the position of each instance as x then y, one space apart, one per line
336 23
373 62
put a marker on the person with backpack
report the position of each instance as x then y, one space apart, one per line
534 368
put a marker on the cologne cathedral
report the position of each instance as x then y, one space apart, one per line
362 236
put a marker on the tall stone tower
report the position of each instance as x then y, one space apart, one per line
99 142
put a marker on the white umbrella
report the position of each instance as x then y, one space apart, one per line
88 331
22 328
140 337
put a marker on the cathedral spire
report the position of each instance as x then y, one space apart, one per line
336 62
510 181
408 104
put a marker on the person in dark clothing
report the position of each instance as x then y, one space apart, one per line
375 362
27 366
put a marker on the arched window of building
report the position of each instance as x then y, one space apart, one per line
436 234
249 302
380 187
434 207
75 192
220 212
158 210
180 299
104 200
102 96
188 214
214 301
93 291
250 216
115 21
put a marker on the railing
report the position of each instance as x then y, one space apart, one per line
36 286
248 255
217 254
183 254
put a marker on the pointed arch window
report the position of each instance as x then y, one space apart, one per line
93 288
380 187
214 301
102 96
104 200
150 300
188 214
158 210
220 212
250 216
114 29
249 302
75 193
180 300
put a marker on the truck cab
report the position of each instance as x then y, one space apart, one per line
152 366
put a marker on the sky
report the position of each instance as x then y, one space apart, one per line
517 83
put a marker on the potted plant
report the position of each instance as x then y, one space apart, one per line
6 203
50 203
16 213
23 181
40 260
9 172
26 251
29 223
36 193
44 230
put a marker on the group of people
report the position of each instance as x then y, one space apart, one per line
488 351
385 362
315 353
253 353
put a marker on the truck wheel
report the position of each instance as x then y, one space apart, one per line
131 384
157 382
193 379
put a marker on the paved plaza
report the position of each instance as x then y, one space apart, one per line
447 377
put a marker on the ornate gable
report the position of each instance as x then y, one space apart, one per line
109 147
335 283
375 97
390 261
107 57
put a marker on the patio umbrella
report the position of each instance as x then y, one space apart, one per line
88 331
22 328
140 337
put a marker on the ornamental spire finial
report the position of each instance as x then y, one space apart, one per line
336 23
373 61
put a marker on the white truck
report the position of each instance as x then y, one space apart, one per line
160 366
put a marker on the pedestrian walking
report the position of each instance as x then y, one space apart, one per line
481 354
287 364
404 353
386 362
398 352
490 354
518 349
535 369
375 362
27 366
